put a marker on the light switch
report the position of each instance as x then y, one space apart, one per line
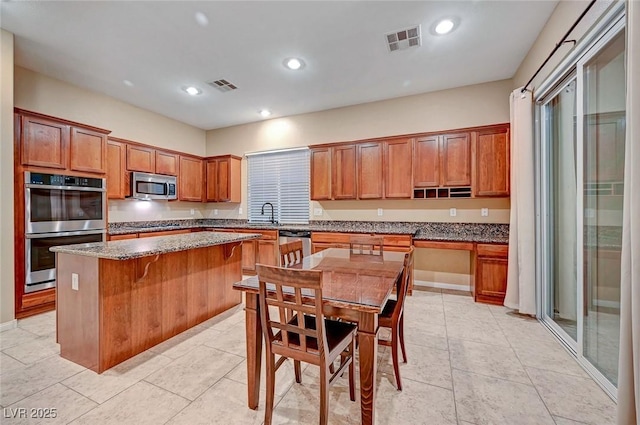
453 212
379 211
317 211
240 210
74 281
215 211
193 211
484 212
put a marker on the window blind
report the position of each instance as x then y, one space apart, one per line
282 178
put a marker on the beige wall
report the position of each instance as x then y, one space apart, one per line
7 293
36 92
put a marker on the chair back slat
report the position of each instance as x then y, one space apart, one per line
291 253
407 274
366 245
297 294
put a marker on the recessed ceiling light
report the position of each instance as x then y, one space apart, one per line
202 19
444 26
193 91
127 83
265 113
294 63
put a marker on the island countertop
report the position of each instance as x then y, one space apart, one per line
136 248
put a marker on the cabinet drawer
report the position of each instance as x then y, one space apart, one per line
123 237
492 250
397 240
163 233
326 237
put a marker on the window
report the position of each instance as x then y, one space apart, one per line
281 178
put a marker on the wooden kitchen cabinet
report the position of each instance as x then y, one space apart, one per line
455 160
191 179
491 273
223 179
166 163
491 162
343 169
43 142
123 237
87 151
369 170
321 173
117 181
141 158
163 233
398 159
426 162
263 251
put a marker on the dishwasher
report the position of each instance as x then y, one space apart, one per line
291 235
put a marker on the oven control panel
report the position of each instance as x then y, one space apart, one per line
62 180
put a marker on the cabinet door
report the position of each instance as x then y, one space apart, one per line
426 164
491 285
343 167
321 174
249 256
87 151
223 182
44 143
398 156
456 160
166 163
190 179
212 181
370 170
116 170
140 158
267 252
492 162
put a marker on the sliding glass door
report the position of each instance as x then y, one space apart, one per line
581 171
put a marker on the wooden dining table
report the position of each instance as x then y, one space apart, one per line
355 288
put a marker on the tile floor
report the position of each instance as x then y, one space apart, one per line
468 364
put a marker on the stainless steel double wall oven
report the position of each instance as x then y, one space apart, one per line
59 210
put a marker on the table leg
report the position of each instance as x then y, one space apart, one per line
368 351
254 349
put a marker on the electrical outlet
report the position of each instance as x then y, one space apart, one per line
215 211
484 212
193 211
239 210
317 211
379 211
74 281
453 212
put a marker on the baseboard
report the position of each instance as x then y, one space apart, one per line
11 324
441 285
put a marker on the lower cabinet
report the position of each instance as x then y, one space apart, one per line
257 251
491 273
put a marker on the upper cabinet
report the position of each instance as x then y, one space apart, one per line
223 179
369 170
52 143
343 167
191 179
491 176
455 159
166 163
141 158
426 162
321 173
117 182
398 159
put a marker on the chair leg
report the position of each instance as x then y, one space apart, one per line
271 378
394 355
401 334
324 394
352 371
298 371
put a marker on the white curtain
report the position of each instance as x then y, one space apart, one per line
629 362
521 287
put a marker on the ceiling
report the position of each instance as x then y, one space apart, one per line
160 47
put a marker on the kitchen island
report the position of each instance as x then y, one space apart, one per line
117 299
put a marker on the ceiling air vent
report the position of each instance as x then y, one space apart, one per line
403 39
222 85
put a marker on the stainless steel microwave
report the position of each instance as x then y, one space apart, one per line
153 186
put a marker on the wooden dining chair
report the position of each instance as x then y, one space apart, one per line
304 335
392 317
291 253
366 245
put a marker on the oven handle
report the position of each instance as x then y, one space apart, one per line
58 234
78 188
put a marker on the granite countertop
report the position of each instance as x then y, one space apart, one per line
467 232
135 248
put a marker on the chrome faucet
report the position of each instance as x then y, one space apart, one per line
262 210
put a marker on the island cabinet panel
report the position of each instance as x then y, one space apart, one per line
131 305
321 174
117 182
141 158
491 162
44 142
87 151
426 164
344 172
456 160
369 170
398 158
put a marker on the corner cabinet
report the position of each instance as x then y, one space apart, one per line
491 273
223 179
191 179
491 162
